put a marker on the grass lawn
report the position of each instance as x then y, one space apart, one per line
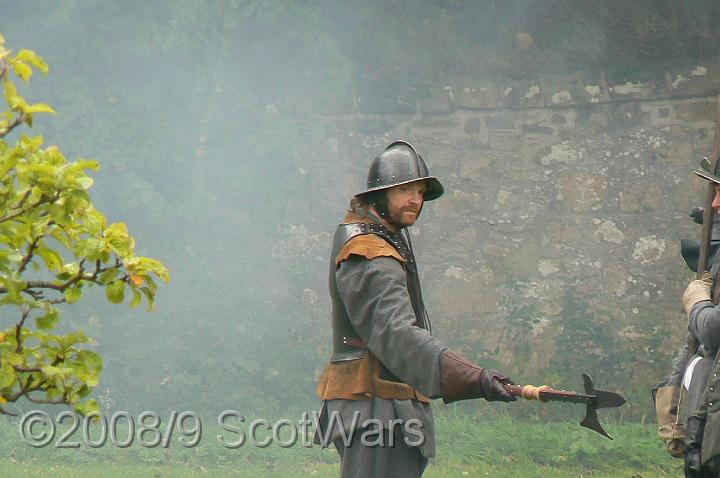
501 447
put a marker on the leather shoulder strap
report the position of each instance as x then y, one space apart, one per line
366 240
369 246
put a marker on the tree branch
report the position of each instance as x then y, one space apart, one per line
57 401
24 391
42 201
22 200
17 122
80 276
28 257
18 329
23 369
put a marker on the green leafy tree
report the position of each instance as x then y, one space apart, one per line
54 245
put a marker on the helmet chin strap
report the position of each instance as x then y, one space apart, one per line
371 212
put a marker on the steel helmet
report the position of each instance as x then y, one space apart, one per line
400 163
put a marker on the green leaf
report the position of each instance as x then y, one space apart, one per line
150 297
116 229
84 164
83 391
7 375
109 275
15 101
155 266
50 371
83 408
137 298
117 237
49 320
34 59
85 182
53 260
92 359
10 90
40 108
22 70
73 294
13 358
115 291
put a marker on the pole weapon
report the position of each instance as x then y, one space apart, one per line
592 398
710 165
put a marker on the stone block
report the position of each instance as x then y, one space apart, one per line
576 89
695 80
438 123
505 141
653 197
659 114
538 130
558 119
335 104
525 94
624 116
505 121
438 101
384 97
675 152
637 84
476 96
595 93
581 192
452 205
446 295
472 126
697 111
370 127
597 117
630 202
632 90
475 167
563 153
649 249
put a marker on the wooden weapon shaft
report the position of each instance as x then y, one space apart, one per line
709 212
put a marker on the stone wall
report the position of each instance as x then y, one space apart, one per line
555 249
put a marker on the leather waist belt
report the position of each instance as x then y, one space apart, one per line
359 343
355 342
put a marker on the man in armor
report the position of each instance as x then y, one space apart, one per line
700 301
386 365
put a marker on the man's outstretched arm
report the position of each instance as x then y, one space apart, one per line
376 297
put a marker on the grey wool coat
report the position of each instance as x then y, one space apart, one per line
376 297
704 325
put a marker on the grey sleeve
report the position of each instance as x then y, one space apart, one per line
704 324
376 298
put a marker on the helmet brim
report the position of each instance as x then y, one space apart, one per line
708 176
434 188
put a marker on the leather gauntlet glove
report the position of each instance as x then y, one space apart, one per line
462 379
695 429
696 291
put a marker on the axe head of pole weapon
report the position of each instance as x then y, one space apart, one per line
602 400
591 421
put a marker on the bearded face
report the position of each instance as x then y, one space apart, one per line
404 203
